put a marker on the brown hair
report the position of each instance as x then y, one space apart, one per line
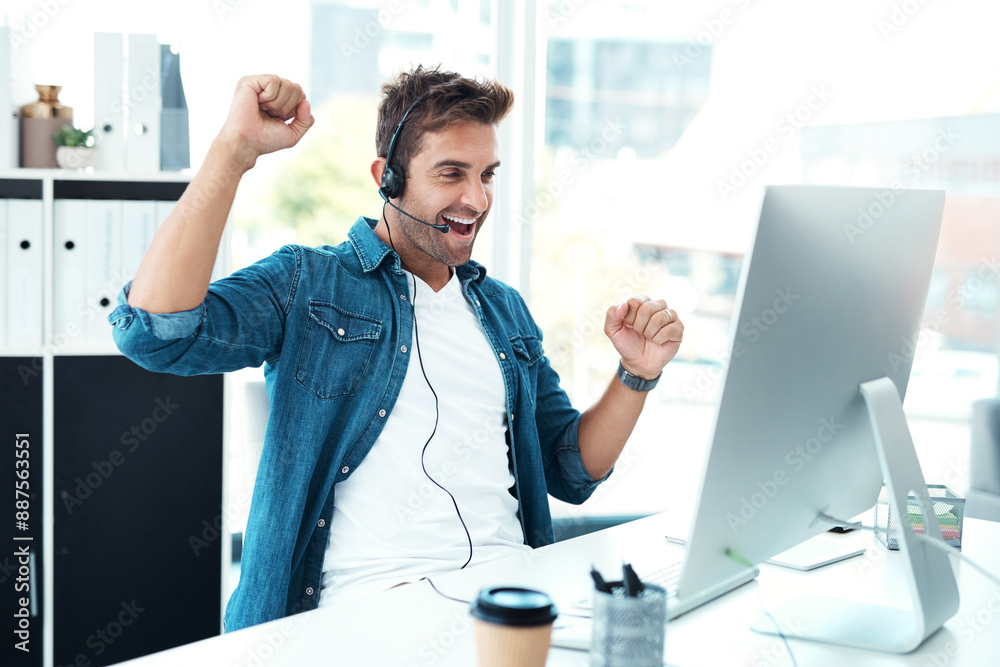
447 98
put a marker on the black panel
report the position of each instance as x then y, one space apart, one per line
138 475
140 190
20 188
21 431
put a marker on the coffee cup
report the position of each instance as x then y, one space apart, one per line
513 627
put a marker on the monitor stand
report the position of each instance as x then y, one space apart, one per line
933 590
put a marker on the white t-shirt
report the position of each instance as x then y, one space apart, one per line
390 523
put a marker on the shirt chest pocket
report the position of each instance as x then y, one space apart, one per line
336 350
527 353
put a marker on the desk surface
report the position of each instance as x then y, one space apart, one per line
413 626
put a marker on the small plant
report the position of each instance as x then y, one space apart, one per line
67 135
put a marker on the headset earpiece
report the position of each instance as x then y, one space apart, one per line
392 182
393 178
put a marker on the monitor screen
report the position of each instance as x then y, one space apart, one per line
831 295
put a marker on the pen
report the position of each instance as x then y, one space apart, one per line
599 582
630 581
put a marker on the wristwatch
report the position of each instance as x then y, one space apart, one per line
634 382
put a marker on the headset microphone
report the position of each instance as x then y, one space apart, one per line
393 177
441 228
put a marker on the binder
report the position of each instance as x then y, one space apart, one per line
3 274
24 273
69 288
104 268
8 107
139 224
109 101
142 144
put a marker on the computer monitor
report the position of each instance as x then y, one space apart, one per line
831 296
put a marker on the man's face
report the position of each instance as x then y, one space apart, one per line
449 182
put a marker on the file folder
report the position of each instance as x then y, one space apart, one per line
104 268
8 107
69 287
24 273
109 101
142 144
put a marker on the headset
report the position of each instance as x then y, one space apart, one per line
393 177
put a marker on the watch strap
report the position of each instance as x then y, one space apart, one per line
635 382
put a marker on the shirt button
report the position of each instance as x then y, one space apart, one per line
345 469
502 356
381 413
403 297
402 349
477 302
321 523
309 591
340 332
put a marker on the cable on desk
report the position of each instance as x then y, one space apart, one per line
448 597
428 580
743 561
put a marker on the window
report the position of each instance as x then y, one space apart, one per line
665 122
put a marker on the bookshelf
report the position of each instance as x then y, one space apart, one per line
126 466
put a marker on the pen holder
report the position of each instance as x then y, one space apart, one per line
628 630
948 507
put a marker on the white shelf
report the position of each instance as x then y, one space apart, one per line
49 350
80 175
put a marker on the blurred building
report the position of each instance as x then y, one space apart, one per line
960 155
357 44
654 84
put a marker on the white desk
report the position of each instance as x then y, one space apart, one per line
412 626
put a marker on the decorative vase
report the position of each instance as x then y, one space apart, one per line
75 157
38 121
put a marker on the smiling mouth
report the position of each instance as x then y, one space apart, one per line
461 226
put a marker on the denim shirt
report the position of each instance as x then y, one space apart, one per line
333 327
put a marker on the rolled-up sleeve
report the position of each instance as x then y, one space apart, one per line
558 430
239 324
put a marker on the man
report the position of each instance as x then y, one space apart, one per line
379 468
